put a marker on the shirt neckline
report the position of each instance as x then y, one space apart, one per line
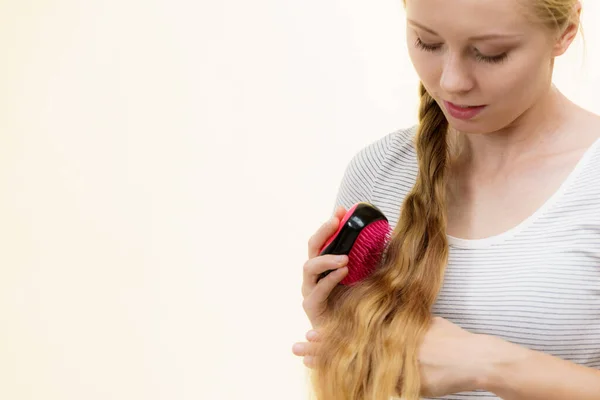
492 240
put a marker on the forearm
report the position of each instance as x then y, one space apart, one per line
513 372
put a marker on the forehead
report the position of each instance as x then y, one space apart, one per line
470 15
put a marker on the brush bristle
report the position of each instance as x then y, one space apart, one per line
367 251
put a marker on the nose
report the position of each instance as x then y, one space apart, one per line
455 78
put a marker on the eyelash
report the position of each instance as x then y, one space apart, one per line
479 57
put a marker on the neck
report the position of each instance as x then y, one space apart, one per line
535 132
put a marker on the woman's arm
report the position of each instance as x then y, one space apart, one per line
513 372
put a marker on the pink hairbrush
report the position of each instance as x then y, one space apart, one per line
362 235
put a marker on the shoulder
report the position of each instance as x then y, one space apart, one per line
373 156
371 162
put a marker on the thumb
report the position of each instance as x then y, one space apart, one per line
340 211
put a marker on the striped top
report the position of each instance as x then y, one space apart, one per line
536 285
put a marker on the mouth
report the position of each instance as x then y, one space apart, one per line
463 111
464 106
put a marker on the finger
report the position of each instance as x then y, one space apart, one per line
299 349
310 361
340 211
327 284
313 336
318 295
303 349
314 267
320 237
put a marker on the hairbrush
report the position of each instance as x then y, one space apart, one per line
362 235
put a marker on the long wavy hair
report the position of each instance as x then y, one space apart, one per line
372 330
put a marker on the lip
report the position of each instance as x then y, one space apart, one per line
461 112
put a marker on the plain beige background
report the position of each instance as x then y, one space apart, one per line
162 166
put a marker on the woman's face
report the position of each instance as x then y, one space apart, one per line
479 53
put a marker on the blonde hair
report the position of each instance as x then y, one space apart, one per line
372 331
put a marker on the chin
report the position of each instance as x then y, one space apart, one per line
472 127
479 125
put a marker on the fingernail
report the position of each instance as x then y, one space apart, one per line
341 259
311 335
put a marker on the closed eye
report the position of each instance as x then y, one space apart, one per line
480 57
426 47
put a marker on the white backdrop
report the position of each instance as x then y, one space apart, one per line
162 166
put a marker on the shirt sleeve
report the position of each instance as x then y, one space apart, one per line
362 172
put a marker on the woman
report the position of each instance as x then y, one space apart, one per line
490 287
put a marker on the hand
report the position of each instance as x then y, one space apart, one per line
449 358
308 350
314 293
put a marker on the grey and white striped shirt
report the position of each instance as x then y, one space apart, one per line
536 285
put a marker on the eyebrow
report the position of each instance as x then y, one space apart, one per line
479 37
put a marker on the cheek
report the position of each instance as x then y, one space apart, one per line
517 82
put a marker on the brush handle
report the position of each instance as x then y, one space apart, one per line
355 220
